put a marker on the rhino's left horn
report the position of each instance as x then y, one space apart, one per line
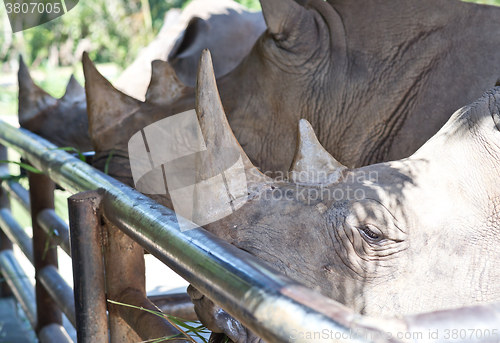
312 165
224 174
106 106
32 99
74 91
164 87
212 118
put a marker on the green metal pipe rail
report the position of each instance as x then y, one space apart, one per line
267 302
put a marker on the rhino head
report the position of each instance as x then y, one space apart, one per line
373 78
417 234
115 117
48 117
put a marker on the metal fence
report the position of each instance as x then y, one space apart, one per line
104 213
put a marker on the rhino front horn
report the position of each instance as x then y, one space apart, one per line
106 106
211 116
32 99
224 174
312 165
164 87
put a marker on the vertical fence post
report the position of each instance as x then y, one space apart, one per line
42 197
125 270
5 243
88 267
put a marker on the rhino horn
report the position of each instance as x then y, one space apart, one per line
225 177
214 125
312 164
74 91
164 87
32 99
106 106
281 16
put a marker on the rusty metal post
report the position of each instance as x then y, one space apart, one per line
88 268
5 243
42 197
54 333
125 268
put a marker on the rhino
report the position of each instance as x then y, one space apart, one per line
412 235
375 79
44 115
224 26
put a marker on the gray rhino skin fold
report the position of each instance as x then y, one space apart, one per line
376 79
413 235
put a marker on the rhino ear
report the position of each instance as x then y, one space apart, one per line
32 99
74 91
312 164
283 17
213 122
188 37
498 82
106 106
164 87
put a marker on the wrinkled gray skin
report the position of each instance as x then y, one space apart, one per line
223 26
420 234
376 79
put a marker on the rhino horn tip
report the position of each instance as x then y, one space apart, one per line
106 105
312 164
24 76
74 89
213 121
164 87
32 99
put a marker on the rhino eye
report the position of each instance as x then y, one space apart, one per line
369 232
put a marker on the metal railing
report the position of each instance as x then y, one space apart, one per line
272 305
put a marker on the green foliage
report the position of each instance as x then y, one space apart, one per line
485 2
250 4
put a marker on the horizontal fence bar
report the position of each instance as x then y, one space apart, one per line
59 290
55 285
19 284
270 304
16 233
178 305
51 223
55 228
242 284
18 192
54 333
